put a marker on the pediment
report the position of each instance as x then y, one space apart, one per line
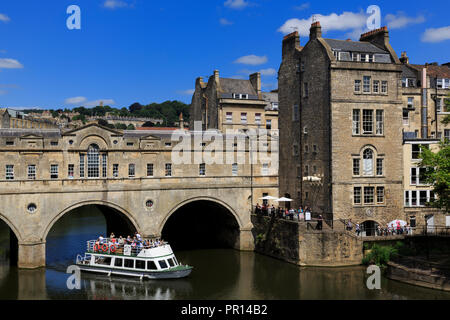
31 136
92 128
151 137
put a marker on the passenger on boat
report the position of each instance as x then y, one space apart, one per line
101 239
137 235
129 240
120 241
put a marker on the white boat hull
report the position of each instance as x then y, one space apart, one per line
175 274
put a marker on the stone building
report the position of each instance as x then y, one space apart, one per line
135 177
10 118
424 89
223 103
341 105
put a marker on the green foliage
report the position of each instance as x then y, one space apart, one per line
380 255
131 127
438 174
121 126
259 238
81 117
168 111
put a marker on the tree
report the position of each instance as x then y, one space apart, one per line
131 127
102 122
438 174
148 124
135 107
121 126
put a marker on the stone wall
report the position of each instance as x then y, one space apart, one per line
300 244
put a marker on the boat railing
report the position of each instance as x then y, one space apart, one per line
107 246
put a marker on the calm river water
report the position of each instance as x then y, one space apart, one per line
218 274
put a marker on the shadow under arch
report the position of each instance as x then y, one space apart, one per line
201 222
120 212
14 238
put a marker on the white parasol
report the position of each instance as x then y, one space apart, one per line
283 199
268 198
394 223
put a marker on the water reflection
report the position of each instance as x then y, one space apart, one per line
218 274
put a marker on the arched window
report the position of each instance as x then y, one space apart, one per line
93 161
368 162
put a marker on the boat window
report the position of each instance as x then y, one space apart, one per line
151 265
129 263
106 261
176 262
118 262
140 264
171 262
162 264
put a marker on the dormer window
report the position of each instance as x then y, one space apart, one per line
443 83
240 96
408 82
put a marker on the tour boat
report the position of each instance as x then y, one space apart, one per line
112 259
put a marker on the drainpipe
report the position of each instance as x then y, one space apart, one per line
424 109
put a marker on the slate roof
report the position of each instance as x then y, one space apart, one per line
45 133
353 46
270 96
409 72
434 71
228 85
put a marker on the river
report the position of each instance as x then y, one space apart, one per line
218 274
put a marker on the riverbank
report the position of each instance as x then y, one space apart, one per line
432 272
299 243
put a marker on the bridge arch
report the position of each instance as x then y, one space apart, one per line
204 222
190 200
11 226
103 203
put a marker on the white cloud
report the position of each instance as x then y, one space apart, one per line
236 4
10 64
264 72
333 21
251 60
75 100
401 20
225 22
187 92
436 34
83 101
302 7
114 4
106 102
4 17
268 72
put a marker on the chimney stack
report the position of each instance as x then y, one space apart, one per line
378 36
315 31
181 121
216 76
404 58
290 43
255 80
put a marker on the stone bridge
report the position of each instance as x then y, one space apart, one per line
131 197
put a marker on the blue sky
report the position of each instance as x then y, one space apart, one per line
151 51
